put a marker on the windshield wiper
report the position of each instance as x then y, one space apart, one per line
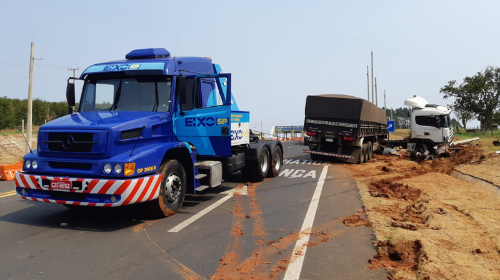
117 97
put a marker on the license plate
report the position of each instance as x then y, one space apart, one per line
60 185
329 139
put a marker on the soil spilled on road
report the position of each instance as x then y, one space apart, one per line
430 225
270 258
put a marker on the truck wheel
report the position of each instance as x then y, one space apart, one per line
172 189
277 163
361 155
256 171
370 150
365 152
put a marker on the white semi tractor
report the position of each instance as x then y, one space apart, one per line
350 128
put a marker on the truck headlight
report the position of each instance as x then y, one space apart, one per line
117 168
34 164
107 168
27 163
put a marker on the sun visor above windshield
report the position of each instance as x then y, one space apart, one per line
124 67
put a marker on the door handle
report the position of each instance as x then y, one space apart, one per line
224 131
427 133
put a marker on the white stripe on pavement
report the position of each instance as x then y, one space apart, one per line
200 214
299 252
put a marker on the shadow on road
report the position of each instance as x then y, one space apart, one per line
97 219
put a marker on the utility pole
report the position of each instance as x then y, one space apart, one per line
368 82
385 106
29 125
376 92
73 69
373 98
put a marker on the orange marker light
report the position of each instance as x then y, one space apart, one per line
129 169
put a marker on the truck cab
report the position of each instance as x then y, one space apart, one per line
150 129
430 125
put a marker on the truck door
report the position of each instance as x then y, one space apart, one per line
203 114
432 130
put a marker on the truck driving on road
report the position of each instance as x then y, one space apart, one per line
148 129
350 128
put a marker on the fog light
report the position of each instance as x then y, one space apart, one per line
107 168
113 199
27 164
129 169
34 164
23 192
117 168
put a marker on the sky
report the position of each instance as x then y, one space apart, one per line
278 52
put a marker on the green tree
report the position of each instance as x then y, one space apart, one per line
478 95
462 114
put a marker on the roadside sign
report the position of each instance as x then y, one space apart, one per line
391 126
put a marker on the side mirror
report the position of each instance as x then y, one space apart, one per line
70 96
181 90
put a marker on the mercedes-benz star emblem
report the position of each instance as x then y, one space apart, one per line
68 142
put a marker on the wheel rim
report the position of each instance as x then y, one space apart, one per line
277 161
173 187
264 164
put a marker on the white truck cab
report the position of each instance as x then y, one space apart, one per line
430 124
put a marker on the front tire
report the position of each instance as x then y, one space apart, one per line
172 189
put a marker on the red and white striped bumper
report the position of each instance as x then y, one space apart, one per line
90 192
329 154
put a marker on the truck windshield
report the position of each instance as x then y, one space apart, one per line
127 94
445 120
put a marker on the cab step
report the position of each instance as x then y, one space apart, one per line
200 176
202 188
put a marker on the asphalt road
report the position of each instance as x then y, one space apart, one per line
269 230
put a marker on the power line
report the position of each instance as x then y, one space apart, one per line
24 76
26 64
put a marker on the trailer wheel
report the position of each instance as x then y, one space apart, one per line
256 171
172 189
277 162
370 150
360 156
365 152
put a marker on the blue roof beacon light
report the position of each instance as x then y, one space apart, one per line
148 53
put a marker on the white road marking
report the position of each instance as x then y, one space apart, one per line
299 252
192 219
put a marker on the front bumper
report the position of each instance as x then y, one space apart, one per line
88 192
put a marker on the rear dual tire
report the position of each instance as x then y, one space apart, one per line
256 171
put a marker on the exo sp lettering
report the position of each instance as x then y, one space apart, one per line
238 134
205 121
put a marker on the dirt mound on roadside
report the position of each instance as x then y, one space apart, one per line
355 220
389 189
398 256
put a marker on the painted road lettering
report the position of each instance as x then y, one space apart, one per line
299 173
304 161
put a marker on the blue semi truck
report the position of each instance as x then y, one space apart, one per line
148 129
